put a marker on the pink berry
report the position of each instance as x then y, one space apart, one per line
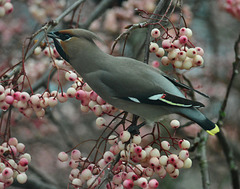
13 141
8 7
86 174
80 95
24 96
175 173
117 179
177 44
77 182
62 156
179 164
160 52
22 178
142 182
183 39
76 154
200 51
93 96
187 64
34 99
62 97
188 33
155 153
23 162
97 110
153 183
102 163
148 171
7 173
100 121
172 158
20 147
165 61
128 184
100 101
153 47
175 124
187 163
191 52
155 33
52 101
170 168
154 162
155 64
183 154
198 60
182 31
9 99
165 145
9 91
181 55
73 164
163 160
108 156
125 136
166 44
112 139
172 55
138 149
185 144
71 92
177 64
137 139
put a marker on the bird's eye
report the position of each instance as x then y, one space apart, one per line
63 36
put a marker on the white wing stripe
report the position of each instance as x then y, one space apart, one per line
155 97
134 99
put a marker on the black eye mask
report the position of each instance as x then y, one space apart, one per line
57 35
63 36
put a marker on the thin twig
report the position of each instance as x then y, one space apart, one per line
202 157
228 152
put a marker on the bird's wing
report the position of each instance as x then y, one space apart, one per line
150 88
166 99
182 85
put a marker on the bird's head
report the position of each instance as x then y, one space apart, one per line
70 40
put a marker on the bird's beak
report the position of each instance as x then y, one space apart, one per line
57 42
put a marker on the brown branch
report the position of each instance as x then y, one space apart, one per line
228 152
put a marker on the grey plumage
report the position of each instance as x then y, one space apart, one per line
126 83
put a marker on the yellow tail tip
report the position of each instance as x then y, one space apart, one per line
213 131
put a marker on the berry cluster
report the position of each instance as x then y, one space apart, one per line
232 7
42 10
129 163
6 7
14 163
27 104
177 51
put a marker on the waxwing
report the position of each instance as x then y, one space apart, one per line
126 83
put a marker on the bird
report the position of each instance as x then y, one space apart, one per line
126 83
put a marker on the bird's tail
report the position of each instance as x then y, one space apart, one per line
196 116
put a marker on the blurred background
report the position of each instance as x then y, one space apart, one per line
215 27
